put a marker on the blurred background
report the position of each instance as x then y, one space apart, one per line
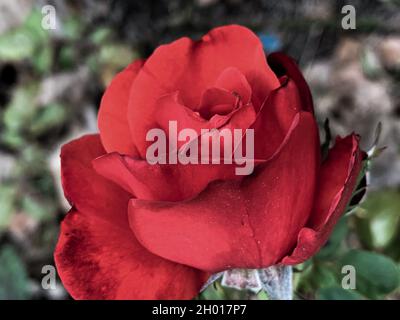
51 83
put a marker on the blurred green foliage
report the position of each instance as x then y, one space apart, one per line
32 129
7 200
13 276
378 224
373 226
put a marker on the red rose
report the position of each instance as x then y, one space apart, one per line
157 231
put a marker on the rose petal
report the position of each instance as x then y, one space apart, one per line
97 255
83 187
232 225
113 113
164 182
98 259
284 65
170 109
337 180
217 101
275 118
190 67
233 80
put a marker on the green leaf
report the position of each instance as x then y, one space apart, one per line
116 55
7 201
16 45
100 35
324 276
48 117
32 162
213 292
216 291
43 59
20 43
319 275
262 295
379 222
13 276
338 293
39 209
72 27
360 188
371 64
21 109
12 139
66 57
34 25
332 247
376 275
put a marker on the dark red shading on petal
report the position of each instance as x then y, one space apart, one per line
164 182
230 225
97 255
285 65
190 67
337 180
275 118
113 113
83 187
98 259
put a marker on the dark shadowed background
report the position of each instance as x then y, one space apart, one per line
51 83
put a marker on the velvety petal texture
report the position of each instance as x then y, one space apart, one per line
97 255
97 259
284 65
153 182
275 118
337 180
144 229
192 67
251 224
113 113
83 187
